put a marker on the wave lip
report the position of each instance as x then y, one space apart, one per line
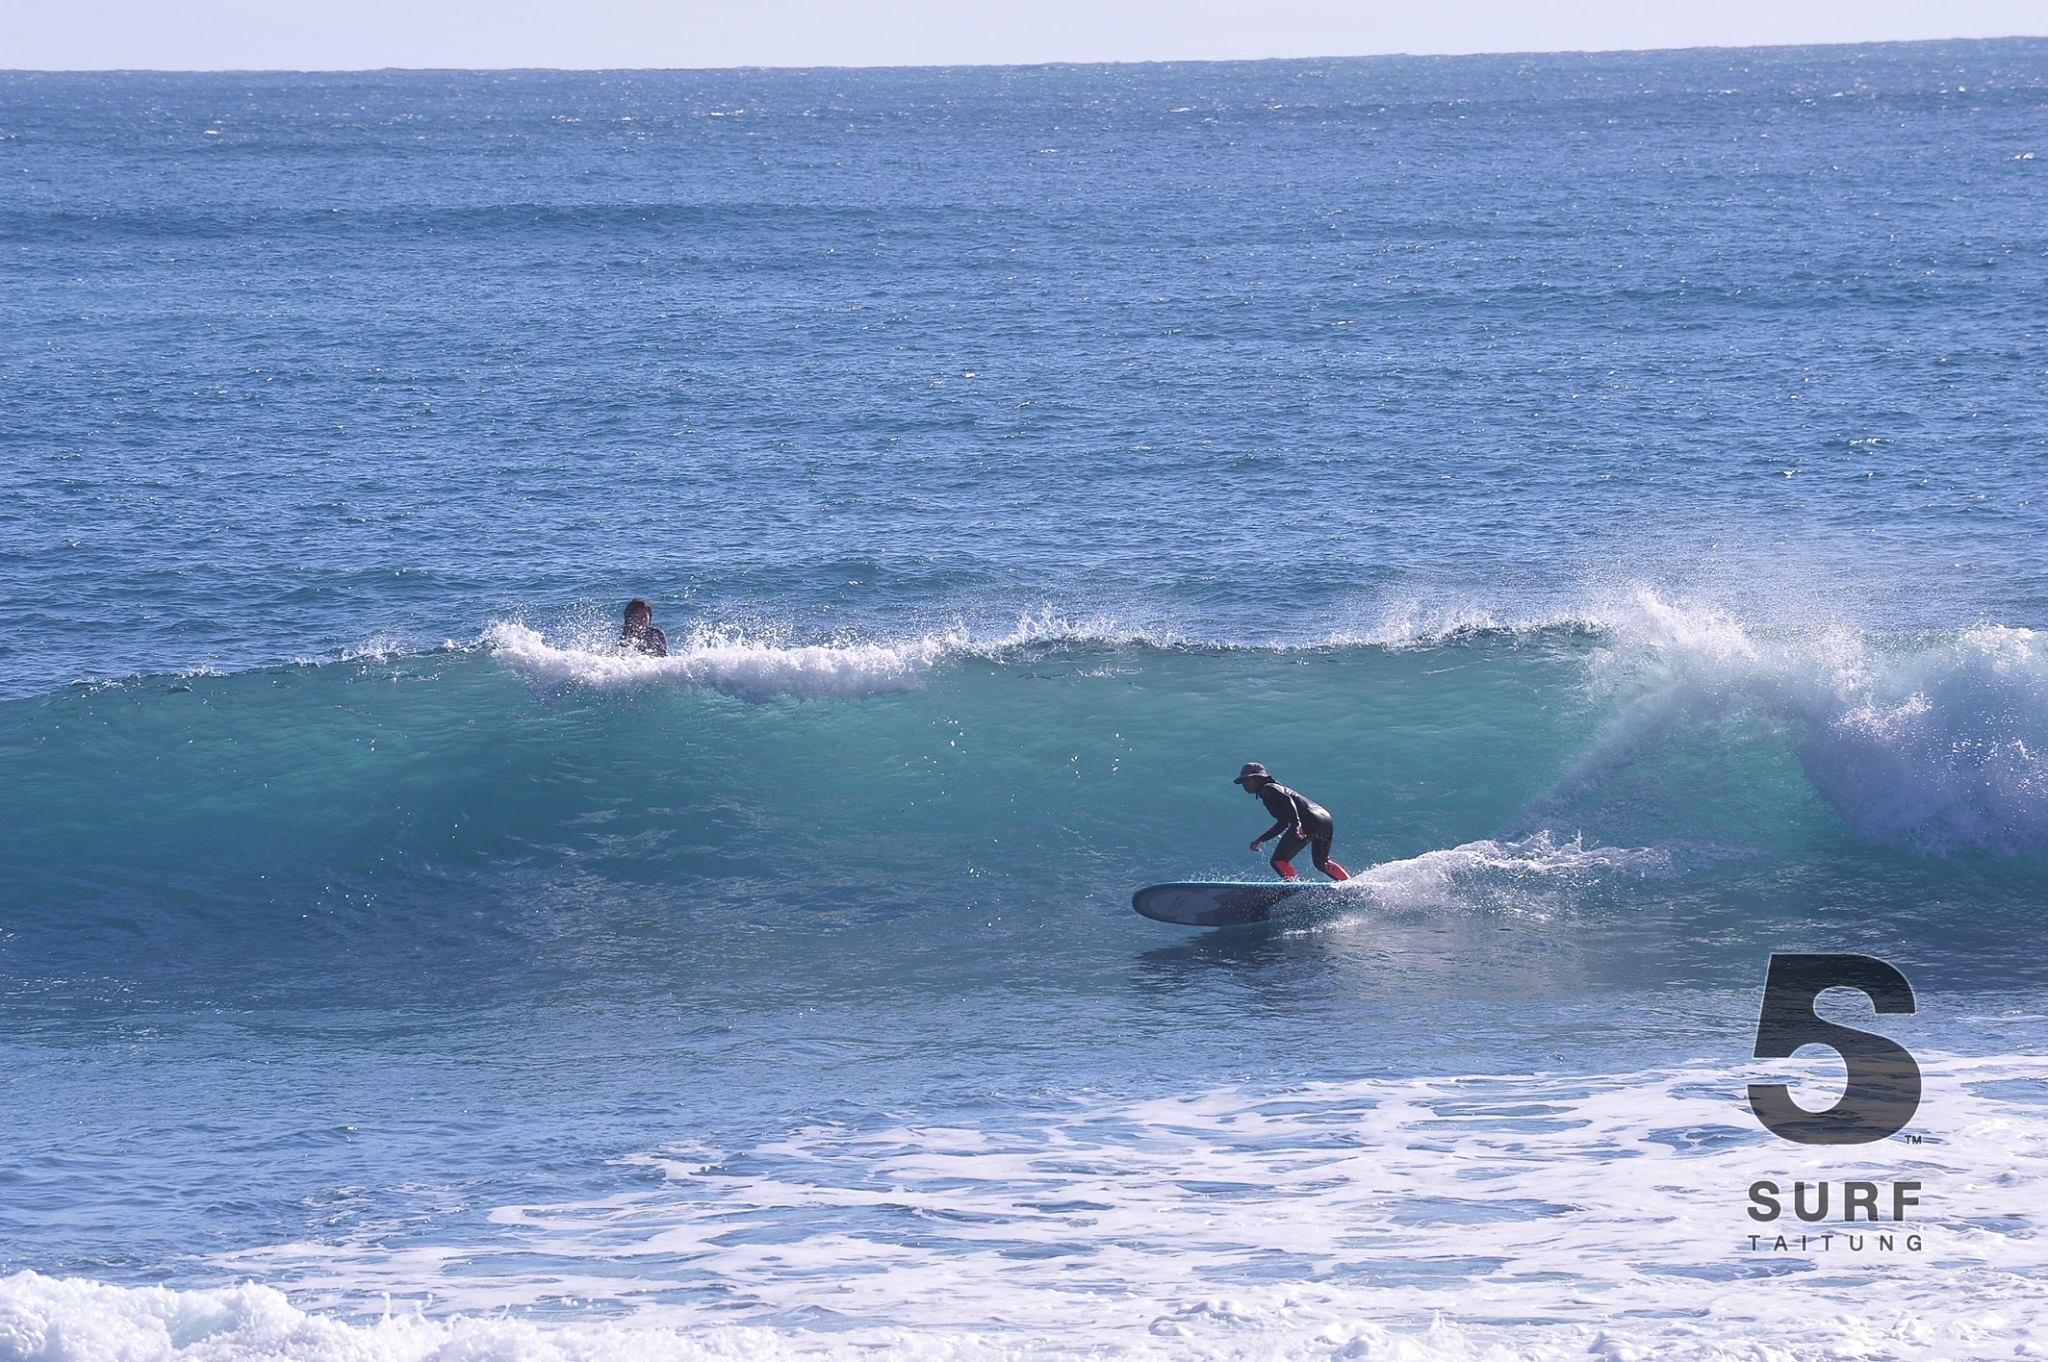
1933 745
734 661
1959 760
726 661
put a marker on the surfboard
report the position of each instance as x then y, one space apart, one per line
1208 903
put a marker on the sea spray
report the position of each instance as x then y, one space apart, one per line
1931 744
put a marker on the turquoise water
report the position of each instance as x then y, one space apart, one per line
1610 484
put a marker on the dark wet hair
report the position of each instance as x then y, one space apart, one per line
636 606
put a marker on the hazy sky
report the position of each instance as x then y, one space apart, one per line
342 34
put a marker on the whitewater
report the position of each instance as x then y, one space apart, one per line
1609 483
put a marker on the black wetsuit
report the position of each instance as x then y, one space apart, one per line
1295 809
649 640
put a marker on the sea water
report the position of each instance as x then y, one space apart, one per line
1611 484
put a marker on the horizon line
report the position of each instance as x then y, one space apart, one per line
999 66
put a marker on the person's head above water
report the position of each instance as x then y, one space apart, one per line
640 635
1252 775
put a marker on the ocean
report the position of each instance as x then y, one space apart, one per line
1612 484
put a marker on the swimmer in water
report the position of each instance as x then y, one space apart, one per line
641 636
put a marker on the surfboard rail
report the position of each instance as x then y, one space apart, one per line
1214 903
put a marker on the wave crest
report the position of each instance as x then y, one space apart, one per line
761 666
1931 744
724 660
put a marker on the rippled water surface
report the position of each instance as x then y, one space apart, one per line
1611 484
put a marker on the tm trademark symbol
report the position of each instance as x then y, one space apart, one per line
1912 1139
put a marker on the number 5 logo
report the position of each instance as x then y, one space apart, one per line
1883 1090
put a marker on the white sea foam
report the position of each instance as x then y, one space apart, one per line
1933 744
762 664
1514 1216
1536 873
727 661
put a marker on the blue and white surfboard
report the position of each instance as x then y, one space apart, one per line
1198 903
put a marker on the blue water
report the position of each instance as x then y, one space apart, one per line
1612 484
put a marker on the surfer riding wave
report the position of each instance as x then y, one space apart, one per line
1300 822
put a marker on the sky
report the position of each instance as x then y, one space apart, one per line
356 34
